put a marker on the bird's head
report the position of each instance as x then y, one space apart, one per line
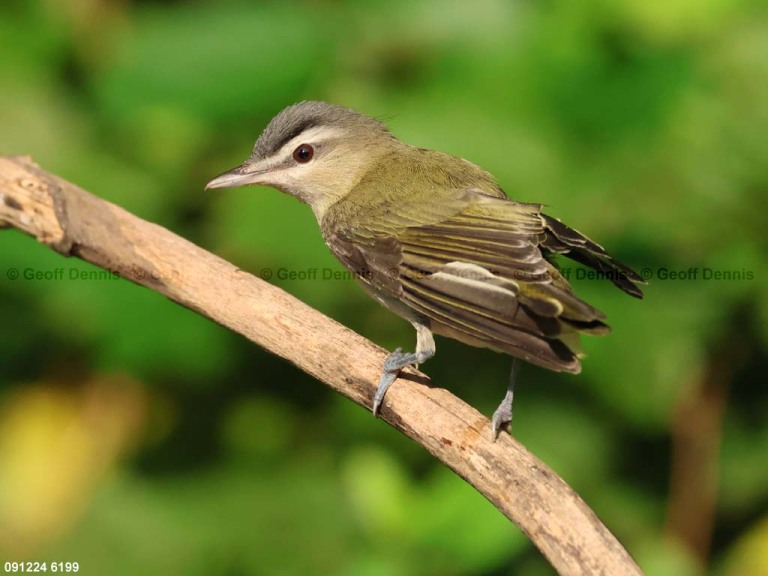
312 150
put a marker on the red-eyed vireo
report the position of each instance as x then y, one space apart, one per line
434 239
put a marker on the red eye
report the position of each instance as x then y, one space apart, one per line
303 153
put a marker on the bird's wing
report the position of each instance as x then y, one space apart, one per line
480 274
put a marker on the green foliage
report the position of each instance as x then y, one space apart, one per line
643 124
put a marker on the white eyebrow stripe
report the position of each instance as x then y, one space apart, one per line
310 136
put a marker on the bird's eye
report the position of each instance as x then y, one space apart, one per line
303 153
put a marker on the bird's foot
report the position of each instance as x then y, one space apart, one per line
502 417
394 363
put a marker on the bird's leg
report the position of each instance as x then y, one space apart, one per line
425 349
503 414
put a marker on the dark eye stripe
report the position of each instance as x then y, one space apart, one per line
291 134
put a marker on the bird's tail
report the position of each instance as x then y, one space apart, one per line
560 239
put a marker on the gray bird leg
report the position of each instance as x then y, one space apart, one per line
503 414
425 349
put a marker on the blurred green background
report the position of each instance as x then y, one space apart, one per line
137 437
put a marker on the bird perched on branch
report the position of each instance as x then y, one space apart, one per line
435 239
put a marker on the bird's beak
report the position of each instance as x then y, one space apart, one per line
244 174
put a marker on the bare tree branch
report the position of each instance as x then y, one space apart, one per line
76 223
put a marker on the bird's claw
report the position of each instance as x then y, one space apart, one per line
501 420
396 361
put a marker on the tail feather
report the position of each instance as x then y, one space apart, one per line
560 239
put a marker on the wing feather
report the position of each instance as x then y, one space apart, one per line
476 269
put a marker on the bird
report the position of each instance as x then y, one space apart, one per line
436 240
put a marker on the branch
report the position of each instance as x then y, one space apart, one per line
76 223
